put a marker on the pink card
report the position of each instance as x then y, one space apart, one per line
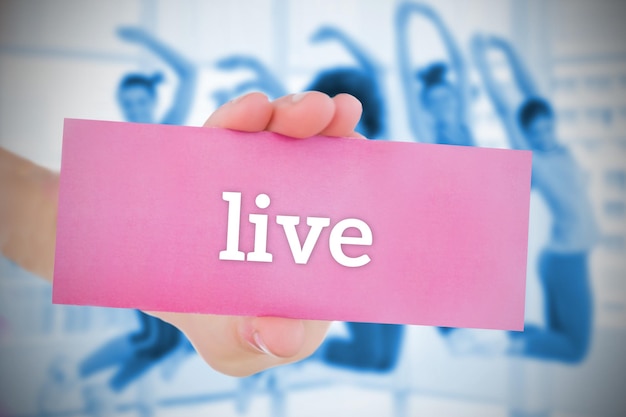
215 221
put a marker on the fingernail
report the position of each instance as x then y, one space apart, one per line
236 99
257 342
298 97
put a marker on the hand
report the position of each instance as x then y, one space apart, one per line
28 211
132 34
241 346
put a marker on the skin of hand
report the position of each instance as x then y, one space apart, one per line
237 346
28 210
241 346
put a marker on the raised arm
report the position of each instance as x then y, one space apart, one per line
151 326
521 75
329 33
480 48
416 116
184 69
457 62
264 81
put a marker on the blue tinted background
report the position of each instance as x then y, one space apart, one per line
63 59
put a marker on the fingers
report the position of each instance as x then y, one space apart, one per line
347 115
275 336
270 341
302 115
241 346
297 115
249 113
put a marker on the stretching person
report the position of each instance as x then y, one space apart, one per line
136 353
137 95
563 265
437 108
363 81
371 346
438 111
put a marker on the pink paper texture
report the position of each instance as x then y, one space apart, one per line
142 221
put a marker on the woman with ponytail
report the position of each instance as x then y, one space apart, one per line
137 93
133 354
437 107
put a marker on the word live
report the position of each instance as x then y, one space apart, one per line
301 252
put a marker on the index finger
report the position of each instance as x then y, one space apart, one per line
297 115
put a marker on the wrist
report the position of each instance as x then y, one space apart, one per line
28 209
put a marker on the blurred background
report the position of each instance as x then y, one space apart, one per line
69 59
